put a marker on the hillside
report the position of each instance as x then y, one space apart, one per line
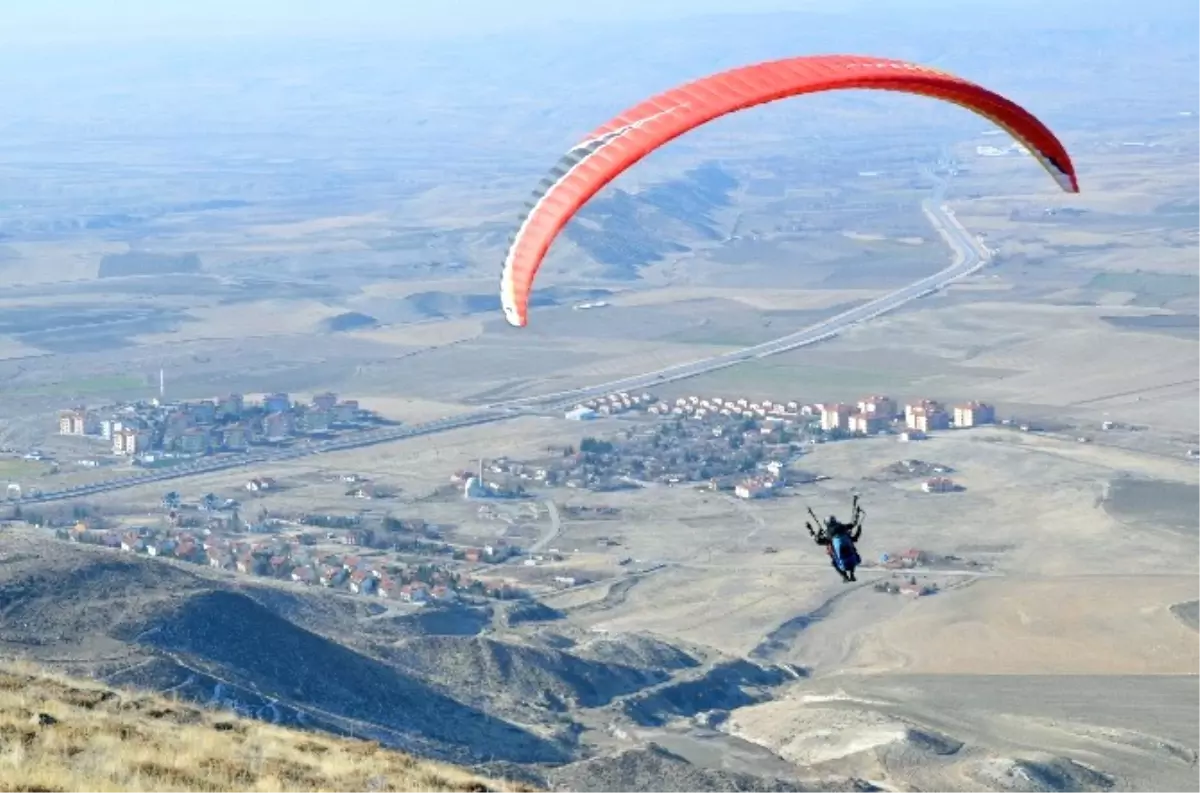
63 734
268 651
444 684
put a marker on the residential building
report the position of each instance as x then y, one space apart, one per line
413 593
304 575
835 417
234 437
277 403
108 427
881 406
926 416
317 419
750 490
972 414
176 422
325 401
277 426
938 484
332 576
130 441
203 412
194 440
866 423
921 404
346 412
230 407
73 422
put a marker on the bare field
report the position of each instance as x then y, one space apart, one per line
425 334
1057 356
264 318
1078 625
317 226
760 299
56 261
720 589
956 732
1130 216
1065 591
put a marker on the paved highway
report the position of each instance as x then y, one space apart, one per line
969 256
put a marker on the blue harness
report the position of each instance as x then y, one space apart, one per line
845 555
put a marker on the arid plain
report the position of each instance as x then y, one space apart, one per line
1064 656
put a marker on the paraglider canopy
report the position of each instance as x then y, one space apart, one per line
612 148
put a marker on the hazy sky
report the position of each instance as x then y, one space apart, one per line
53 18
26 21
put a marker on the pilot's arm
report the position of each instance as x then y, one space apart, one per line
856 532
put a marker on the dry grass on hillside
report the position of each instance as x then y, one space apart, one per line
58 734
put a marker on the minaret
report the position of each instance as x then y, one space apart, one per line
162 384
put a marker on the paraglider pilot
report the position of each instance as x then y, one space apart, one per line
839 540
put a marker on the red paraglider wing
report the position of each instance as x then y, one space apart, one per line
629 137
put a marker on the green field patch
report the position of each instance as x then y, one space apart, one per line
1154 502
1151 288
20 470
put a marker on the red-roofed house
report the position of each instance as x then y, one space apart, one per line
362 582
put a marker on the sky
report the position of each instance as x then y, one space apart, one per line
33 21
50 19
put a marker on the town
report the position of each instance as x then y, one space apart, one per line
155 431
736 445
389 558
747 448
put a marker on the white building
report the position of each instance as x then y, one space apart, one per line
129 441
972 414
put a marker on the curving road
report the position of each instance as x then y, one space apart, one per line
969 256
